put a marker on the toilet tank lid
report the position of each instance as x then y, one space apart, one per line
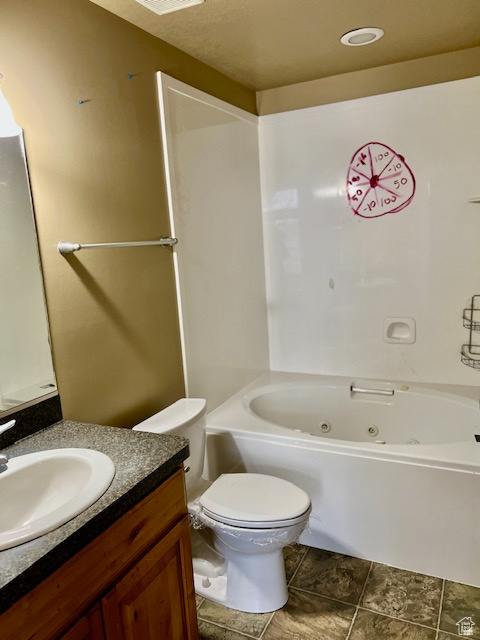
254 497
180 414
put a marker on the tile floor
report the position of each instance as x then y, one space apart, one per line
336 597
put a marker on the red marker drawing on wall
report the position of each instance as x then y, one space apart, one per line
379 181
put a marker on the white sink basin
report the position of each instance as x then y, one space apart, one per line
41 491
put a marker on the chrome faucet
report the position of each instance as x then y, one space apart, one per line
3 456
7 425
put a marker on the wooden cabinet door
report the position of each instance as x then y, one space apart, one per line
156 599
89 627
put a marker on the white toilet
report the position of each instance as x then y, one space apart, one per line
239 523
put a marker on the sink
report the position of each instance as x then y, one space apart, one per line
43 490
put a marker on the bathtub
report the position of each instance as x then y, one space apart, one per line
392 469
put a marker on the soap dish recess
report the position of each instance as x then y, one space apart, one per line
399 330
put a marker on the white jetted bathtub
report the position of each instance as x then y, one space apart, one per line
393 470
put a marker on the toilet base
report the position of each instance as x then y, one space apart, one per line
212 588
241 568
253 583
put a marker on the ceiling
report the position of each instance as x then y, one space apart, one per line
270 43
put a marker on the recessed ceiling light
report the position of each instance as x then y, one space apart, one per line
359 37
167 6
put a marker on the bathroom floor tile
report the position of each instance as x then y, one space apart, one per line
212 632
403 594
332 574
310 617
460 601
293 554
395 604
198 600
251 624
373 626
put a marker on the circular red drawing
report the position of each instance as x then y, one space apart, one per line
379 181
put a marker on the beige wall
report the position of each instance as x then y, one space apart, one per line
358 84
97 175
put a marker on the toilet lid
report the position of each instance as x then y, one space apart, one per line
254 497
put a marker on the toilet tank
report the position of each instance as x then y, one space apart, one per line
185 418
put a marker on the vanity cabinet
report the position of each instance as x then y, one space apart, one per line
156 582
134 581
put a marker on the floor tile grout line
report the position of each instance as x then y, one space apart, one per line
359 601
387 615
321 595
370 569
298 565
352 623
266 626
442 594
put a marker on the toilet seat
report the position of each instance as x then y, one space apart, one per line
249 524
255 501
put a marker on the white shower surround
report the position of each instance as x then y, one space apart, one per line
412 506
333 277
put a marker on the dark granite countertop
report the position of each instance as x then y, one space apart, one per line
142 461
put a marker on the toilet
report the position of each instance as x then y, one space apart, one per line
240 523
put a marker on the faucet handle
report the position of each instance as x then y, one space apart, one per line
7 425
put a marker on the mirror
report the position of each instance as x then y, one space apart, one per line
26 368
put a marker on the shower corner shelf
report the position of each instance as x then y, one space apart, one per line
470 353
468 359
467 321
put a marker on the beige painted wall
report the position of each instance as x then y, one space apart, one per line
97 175
369 82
